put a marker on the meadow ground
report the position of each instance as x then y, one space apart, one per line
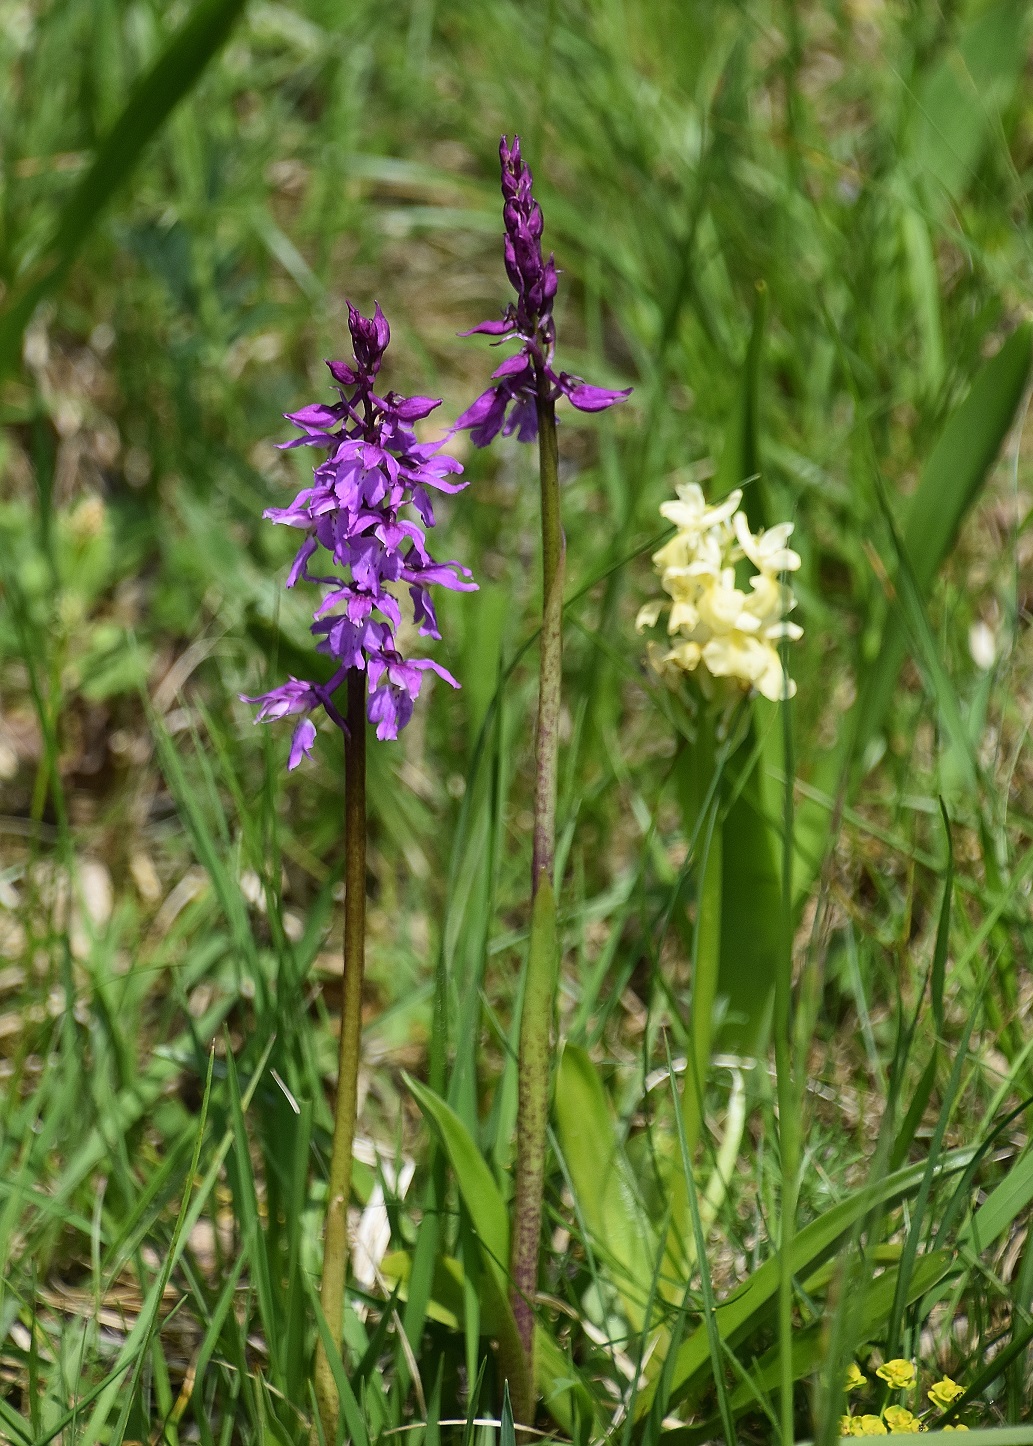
801 232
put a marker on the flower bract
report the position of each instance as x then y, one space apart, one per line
715 625
510 405
363 544
855 1377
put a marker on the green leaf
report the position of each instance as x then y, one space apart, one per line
962 96
951 479
751 913
939 969
559 1384
603 1181
747 1308
481 1195
154 97
486 1209
1002 1205
810 1345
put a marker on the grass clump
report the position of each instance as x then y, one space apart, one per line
789 1119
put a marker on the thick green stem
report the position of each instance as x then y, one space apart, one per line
535 1055
335 1240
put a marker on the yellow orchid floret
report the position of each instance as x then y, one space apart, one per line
944 1393
854 1377
732 632
901 1422
871 1426
899 1375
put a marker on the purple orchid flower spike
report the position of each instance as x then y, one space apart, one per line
511 404
352 518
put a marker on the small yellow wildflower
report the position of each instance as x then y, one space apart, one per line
847 1426
901 1422
945 1393
959 1427
871 1426
854 1377
899 1375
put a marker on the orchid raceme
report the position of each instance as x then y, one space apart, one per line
353 519
511 405
716 628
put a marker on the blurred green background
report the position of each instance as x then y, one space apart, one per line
799 231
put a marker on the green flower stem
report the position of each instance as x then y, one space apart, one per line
551 658
335 1242
535 1054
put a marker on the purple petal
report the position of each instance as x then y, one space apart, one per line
301 743
411 409
523 420
590 399
305 551
424 663
520 362
485 416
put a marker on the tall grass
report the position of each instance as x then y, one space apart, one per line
722 1237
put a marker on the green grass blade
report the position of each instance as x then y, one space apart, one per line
951 480
153 99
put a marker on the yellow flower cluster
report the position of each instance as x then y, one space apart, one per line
899 1375
733 633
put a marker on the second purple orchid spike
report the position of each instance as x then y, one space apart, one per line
511 404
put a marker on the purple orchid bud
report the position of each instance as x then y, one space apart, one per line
352 514
493 328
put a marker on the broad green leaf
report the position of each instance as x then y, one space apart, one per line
481 1195
487 1212
959 103
603 1182
992 1436
751 914
750 897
